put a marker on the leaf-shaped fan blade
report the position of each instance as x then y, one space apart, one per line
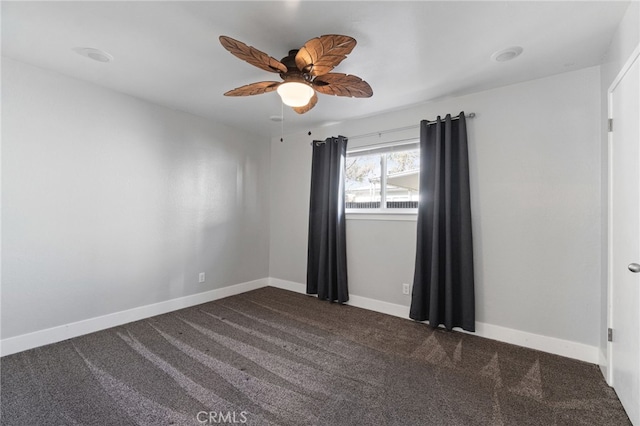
320 55
342 85
252 55
312 102
254 88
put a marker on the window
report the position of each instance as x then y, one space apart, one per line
383 178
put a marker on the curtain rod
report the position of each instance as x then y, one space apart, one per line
399 129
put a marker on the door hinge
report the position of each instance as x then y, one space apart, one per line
610 125
610 335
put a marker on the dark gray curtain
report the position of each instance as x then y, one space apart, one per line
327 251
443 286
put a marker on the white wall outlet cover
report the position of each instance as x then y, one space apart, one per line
201 277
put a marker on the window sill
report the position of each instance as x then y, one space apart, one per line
406 215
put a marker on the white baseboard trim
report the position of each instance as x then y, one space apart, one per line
566 348
24 342
604 366
552 345
288 285
548 344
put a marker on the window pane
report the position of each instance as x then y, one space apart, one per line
403 177
362 181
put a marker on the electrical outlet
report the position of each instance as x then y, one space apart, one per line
406 288
201 277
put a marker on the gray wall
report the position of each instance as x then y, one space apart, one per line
111 203
535 169
625 40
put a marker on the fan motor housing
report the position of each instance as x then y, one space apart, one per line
293 73
290 60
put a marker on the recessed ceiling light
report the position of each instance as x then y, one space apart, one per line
507 54
95 54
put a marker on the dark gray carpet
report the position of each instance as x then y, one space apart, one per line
273 357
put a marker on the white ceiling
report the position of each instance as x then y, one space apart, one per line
409 52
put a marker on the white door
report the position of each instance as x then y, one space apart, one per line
624 228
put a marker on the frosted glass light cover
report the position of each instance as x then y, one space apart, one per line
295 94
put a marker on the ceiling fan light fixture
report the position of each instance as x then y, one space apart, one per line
295 94
305 72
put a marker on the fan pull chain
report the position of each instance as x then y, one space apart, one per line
281 122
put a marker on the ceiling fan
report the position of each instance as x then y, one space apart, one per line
304 72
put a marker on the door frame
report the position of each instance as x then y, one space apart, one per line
627 66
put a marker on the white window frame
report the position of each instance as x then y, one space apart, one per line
383 212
